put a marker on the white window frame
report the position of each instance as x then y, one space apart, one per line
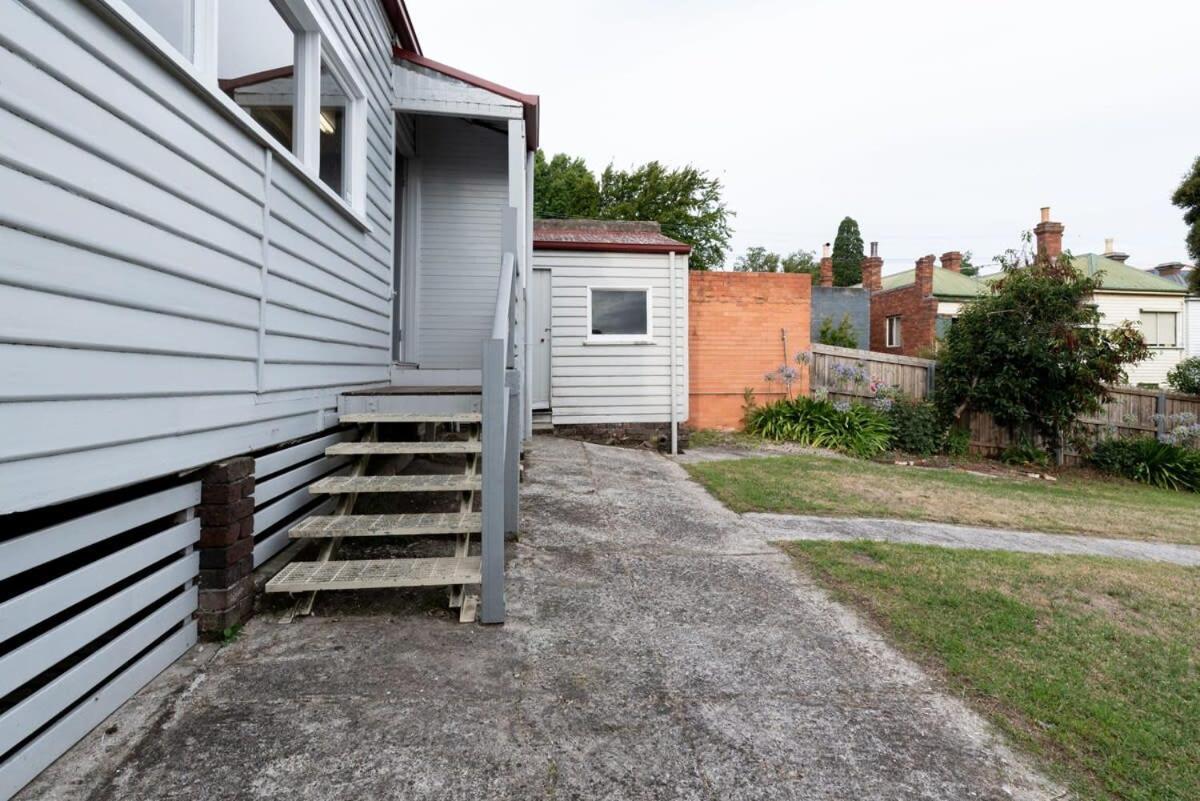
1142 325
892 341
622 339
313 41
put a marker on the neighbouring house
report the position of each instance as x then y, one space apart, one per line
1155 303
1192 315
1174 271
911 310
233 247
836 304
608 311
742 327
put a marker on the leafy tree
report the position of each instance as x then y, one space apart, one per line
1187 197
1185 376
841 335
685 201
564 187
800 261
1033 353
847 254
967 267
757 260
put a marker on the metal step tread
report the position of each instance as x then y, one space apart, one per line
324 526
340 485
410 417
392 448
366 574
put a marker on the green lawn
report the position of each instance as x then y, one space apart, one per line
1091 664
1079 503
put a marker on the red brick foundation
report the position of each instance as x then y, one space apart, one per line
735 322
226 545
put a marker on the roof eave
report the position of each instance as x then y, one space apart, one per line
613 247
402 25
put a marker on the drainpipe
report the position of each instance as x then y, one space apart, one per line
671 378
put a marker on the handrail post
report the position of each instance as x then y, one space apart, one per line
495 419
512 455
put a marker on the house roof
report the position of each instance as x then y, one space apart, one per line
1119 277
1181 277
530 103
946 283
402 25
620 236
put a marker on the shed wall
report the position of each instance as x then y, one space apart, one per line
132 270
609 383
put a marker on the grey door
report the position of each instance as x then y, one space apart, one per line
539 324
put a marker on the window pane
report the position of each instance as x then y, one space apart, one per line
619 312
334 104
171 18
256 53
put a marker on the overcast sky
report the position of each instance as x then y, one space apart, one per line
937 124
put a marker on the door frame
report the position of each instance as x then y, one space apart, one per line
549 363
406 224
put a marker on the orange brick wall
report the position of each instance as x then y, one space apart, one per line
734 324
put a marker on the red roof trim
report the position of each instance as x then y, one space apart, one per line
230 84
612 247
530 102
402 25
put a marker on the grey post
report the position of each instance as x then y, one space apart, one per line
512 456
1160 409
495 395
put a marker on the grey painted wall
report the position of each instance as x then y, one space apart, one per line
838 301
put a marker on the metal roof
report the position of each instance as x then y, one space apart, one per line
946 283
604 235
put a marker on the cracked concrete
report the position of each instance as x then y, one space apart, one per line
657 648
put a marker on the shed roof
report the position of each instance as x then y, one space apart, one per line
620 236
946 283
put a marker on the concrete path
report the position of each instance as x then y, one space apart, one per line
656 648
802 527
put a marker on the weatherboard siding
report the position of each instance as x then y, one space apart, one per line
132 262
1193 326
1117 308
464 190
611 383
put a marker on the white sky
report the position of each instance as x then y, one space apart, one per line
937 124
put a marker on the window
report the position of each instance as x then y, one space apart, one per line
893 332
619 314
171 18
334 121
256 59
1159 329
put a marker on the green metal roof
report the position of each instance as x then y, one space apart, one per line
946 283
1118 277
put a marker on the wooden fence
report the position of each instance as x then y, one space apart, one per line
847 374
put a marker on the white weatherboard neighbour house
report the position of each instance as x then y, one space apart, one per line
608 313
217 219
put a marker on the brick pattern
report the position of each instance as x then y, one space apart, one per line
1049 239
918 320
226 514
734 325
872 273
952 261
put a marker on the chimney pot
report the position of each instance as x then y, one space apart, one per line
874 249
1045 214
1108 245
825 251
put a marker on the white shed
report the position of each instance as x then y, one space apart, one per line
608 319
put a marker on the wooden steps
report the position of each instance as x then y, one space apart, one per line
399 448
376 574
410 525
410 417
344 485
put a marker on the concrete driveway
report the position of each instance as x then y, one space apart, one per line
655 650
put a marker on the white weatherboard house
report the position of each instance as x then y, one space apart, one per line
608 313
218 218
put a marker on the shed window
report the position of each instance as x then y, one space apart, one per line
334 121
172 19
256 60
893 331
1159 329
619 313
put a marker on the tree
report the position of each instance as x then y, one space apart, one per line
757 260
1033 353
847 254
1187 197
967 267
841 335
685 201
800 261
564 187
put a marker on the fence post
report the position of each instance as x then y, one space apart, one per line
1160 410
930 377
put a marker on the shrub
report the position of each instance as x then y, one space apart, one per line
958 442
854 429
916 427
1185 376
1025 452
1145 459
841 335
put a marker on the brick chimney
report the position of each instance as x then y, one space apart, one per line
1049 236
952 261
1111 252
924 277
826 266
872 270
